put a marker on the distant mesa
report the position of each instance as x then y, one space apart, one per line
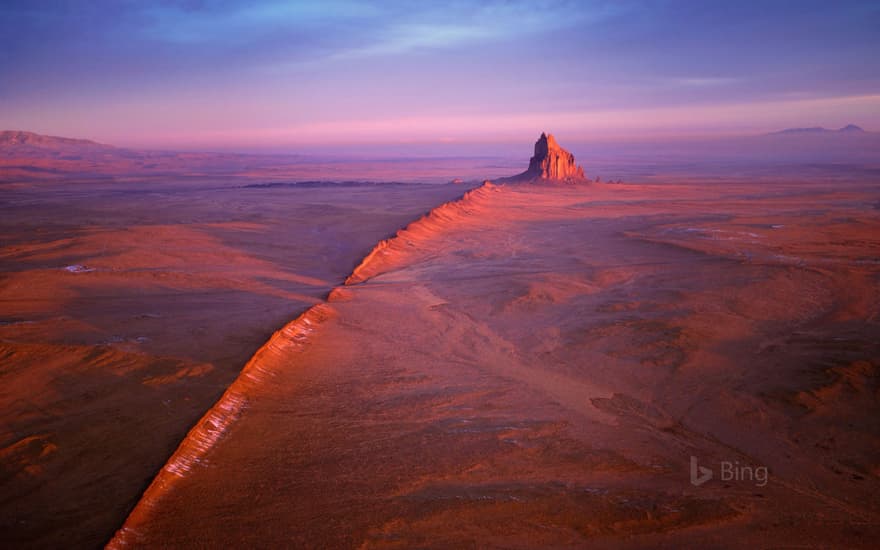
13 138
848 129
550 163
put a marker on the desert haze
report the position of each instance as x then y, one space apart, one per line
542 360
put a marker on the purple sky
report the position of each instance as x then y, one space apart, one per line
305 76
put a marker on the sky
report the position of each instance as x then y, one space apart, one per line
300 76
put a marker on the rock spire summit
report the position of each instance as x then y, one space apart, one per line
551 162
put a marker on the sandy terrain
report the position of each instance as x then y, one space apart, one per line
560 366
127 309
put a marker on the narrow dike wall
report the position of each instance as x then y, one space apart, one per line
275 354
390 253
215 423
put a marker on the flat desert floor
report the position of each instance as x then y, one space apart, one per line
526 366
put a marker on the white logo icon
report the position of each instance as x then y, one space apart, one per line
699 474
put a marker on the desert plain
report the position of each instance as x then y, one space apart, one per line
392 361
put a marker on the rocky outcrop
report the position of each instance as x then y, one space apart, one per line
552 163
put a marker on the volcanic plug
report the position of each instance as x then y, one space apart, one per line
551 163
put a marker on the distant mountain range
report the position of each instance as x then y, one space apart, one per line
848 129
18 137
27 156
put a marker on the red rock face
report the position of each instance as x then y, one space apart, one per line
552 162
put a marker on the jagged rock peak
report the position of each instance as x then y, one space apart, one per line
552 162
